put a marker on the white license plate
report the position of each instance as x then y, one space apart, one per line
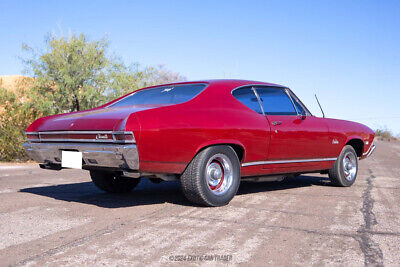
71 159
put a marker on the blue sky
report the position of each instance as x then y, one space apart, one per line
347 52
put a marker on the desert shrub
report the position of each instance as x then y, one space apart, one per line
15 117
384 134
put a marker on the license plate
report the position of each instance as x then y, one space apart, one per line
71 159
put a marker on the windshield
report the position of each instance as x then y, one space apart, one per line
174 94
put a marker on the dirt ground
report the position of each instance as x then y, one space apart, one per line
60 218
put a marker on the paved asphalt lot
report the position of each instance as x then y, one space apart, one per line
60 218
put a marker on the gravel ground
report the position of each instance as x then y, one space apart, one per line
61 218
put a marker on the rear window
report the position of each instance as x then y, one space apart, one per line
174 94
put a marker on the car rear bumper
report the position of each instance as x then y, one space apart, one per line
121 156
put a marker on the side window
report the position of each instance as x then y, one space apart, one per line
299 106
275 101
248 98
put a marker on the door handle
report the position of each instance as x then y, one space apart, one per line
276 123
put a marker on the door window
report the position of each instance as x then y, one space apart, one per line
248 98
275 101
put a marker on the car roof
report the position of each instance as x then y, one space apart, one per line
227 82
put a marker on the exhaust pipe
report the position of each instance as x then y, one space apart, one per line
50 166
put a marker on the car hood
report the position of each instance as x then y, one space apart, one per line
106 119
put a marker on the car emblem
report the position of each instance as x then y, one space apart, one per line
72 124
335 142
167 89
102 136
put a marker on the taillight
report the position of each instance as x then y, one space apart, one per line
124 137
32 137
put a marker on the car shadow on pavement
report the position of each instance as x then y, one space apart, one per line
248 187
148 193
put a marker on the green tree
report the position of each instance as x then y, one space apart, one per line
71 74
74 74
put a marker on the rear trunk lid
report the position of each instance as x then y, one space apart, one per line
100 119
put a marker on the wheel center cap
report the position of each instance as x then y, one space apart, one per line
216 174
349 166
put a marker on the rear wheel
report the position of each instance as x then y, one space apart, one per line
212 177
113 183
344 171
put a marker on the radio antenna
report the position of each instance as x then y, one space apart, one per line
323 114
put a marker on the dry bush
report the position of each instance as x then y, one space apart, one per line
17 111
384 135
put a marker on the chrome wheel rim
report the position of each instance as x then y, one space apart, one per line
349 166
219 174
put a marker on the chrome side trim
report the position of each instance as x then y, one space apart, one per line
285 161
369 151
76 132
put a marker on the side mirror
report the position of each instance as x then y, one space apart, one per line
303 115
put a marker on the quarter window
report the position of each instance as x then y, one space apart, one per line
248 98
275 101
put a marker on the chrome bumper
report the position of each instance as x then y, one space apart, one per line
94 155
369 151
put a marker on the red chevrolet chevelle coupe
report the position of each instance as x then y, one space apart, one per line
208 134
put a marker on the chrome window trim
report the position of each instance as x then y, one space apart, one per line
161 86
259 100
291 100
113 133
254 163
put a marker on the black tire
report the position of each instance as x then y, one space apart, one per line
337 172
112 183
195 185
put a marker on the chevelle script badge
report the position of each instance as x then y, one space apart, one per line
101 136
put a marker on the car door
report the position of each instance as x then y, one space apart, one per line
293 135
256 143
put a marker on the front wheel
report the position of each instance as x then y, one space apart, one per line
212 178
113 183
344 171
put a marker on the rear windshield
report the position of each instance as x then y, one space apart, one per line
174 94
